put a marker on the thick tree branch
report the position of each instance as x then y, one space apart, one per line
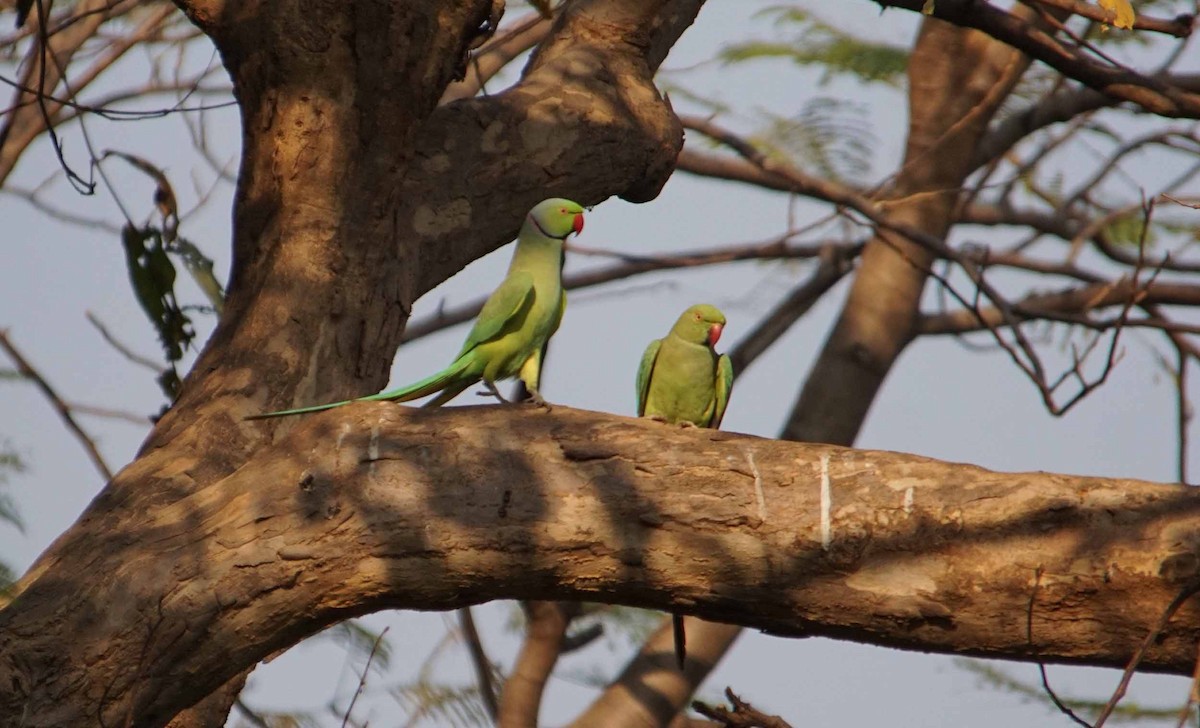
651 691
375 506
1153 94
585 120
545 633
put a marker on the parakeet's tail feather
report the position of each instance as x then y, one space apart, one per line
298 411
441 380
444 379
680 639
450 392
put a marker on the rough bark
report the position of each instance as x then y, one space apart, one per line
356 194
379 506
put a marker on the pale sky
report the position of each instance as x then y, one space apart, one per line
942 400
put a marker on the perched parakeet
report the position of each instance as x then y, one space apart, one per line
683 381
517 320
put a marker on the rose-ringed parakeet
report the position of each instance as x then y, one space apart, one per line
515 323
683 381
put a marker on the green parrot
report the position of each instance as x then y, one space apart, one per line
511 331
683 381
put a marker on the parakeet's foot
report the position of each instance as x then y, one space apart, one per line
685 424
535 398
493 392
659 418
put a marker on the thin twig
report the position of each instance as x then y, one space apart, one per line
1193 694
124 350
775 249
57 402
1134 661
362 681
832 269
1063 707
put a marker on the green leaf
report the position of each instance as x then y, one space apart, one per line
153 277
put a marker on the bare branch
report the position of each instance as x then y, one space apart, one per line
64 411
1179 26
1155 95
743 714
777 248
479 661
834 265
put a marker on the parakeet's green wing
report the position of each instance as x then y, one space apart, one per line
505 303
724 385
645 370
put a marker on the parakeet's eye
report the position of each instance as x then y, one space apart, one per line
697 315
563 210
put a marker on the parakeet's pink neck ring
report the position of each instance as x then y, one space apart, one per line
576 227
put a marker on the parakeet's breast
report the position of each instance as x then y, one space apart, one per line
682 388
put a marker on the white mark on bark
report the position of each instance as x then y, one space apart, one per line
373 450
826 505
908 501
342 435
758 488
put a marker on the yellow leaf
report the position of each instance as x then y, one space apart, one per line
927 8
1122 11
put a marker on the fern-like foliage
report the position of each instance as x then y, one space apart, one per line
817 43
436 704
829 137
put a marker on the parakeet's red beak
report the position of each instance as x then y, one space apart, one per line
578 223
714 334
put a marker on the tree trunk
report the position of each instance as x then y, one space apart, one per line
355 196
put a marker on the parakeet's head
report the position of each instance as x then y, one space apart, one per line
557 217
700 324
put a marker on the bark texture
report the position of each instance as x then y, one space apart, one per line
380 506
356 194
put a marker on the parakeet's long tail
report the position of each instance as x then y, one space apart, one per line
434 382
680 639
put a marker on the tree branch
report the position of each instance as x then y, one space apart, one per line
545 632
1152 94
377 506
1074 302
631 265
